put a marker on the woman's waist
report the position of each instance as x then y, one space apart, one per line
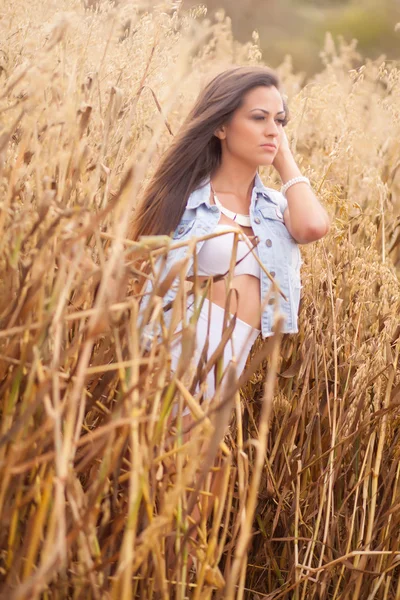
213 312
244 298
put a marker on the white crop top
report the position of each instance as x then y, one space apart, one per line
214 257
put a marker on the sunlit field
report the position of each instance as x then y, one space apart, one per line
103 491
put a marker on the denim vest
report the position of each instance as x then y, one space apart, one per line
277 250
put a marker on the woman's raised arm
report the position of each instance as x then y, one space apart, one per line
305 218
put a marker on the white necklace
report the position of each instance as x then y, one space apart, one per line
243 220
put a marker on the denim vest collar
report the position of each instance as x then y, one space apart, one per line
202 194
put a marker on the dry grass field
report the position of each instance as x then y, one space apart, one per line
99 484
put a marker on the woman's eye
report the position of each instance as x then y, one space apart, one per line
262 118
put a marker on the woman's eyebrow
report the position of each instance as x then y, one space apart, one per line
281 112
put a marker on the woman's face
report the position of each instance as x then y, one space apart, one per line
254 132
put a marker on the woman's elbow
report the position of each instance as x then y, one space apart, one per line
314 231
321 229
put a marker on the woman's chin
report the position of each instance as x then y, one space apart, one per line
266 162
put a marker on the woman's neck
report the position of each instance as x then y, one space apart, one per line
234 179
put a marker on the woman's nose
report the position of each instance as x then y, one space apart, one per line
272 129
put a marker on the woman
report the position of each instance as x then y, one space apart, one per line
208 183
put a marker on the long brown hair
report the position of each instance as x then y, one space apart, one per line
196 151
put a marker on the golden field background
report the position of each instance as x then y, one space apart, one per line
98 483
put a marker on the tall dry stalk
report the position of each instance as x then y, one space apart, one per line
100 485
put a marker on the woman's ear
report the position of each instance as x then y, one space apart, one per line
220 133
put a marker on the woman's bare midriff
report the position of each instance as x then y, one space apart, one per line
246 303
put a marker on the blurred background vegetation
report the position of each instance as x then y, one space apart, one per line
298 27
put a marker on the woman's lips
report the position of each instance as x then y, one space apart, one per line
271 147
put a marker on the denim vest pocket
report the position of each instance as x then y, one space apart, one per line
183 230
274 217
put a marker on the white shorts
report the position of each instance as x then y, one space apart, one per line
238 347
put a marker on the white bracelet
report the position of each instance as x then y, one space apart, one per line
291 182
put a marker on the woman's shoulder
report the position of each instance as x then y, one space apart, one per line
200 195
